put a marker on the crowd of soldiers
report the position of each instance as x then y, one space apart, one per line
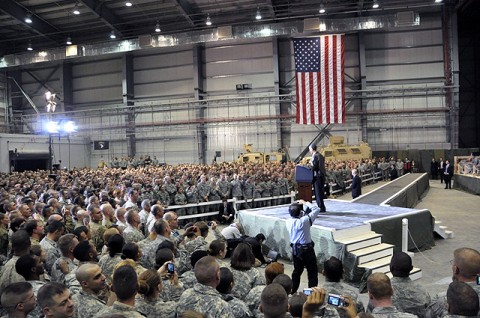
78 243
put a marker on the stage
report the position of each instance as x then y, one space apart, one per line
343 222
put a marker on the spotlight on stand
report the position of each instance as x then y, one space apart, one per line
69 126
52 127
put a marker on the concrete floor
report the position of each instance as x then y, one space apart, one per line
457 210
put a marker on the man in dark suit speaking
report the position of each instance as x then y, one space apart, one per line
318 169
356 184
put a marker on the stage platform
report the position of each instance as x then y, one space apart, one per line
357 233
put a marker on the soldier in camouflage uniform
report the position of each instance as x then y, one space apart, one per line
236 188
257 193
4 237
408 296
188 278
149 286
276 189
239 308
465 267
224 187
96 227
163 196
132 234
246 277
214 194
248 192
65 264
171 189
203 193
333 272
55 299
192 198
380 292
267 190
199 243
180 199
92 282
49 244
462 301
125 284
203 297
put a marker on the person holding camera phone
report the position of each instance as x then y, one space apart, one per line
303 252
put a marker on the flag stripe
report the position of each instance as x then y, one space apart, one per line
320 66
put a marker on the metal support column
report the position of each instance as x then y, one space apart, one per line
128 95
363 83
198 80
66 80
276 85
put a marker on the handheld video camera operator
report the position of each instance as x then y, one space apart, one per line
303 252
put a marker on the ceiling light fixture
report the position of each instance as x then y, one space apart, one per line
375 5
322 9
29 47
69 40
157 27
259 14
128 3
208 21
76 10
438 1
28 18
112 35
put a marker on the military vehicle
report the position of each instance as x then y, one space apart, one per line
338 150
261 157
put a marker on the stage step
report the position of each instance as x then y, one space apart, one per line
415 273
442 230
381 265
373 252
361 241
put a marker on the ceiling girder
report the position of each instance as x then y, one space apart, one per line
105 14
39 26
190 14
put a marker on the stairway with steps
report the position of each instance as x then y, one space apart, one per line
370 254
442 230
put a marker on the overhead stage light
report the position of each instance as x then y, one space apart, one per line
322 9
128 3
112 35
208 21
29 47
76 10
157 27
69 40
28 18
375 5
259 15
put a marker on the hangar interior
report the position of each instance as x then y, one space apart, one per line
192 90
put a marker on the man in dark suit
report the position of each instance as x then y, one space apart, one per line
318 169
226 213
448 174
356 184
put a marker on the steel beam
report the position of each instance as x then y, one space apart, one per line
189 13
105 14
18 12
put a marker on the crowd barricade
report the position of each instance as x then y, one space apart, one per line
368 177
290 197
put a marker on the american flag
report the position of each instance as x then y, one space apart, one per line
319 68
